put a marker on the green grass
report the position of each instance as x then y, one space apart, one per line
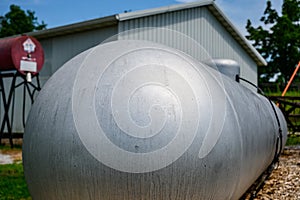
12 183
288 93
7 147
293 140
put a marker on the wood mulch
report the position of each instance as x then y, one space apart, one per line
284 182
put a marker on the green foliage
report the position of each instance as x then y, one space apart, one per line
293 140
17 21
12 183
278 39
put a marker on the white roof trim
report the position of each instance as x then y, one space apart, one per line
76 27
165 9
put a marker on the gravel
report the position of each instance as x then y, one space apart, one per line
284 182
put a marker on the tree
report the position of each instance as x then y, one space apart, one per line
279 40
17 21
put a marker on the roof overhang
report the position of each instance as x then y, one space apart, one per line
76 27
161 10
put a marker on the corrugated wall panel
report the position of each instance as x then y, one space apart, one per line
66 47
201 26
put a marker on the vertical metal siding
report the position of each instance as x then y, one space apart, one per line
66 47
198 24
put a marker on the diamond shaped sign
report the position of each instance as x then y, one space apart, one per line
29 46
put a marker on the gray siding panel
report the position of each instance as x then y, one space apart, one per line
59 50
200 26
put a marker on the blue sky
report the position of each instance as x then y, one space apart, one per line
62 12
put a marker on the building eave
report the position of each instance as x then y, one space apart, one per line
161 10
76 27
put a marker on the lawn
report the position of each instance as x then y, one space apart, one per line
12 183
288 94
293 140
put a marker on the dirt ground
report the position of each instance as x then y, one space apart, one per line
9 156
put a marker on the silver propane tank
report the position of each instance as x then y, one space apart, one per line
132 120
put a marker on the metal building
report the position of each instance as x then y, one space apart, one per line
188 27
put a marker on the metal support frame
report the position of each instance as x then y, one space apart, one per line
9 100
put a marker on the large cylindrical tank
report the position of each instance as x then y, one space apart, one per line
22 53
136 120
